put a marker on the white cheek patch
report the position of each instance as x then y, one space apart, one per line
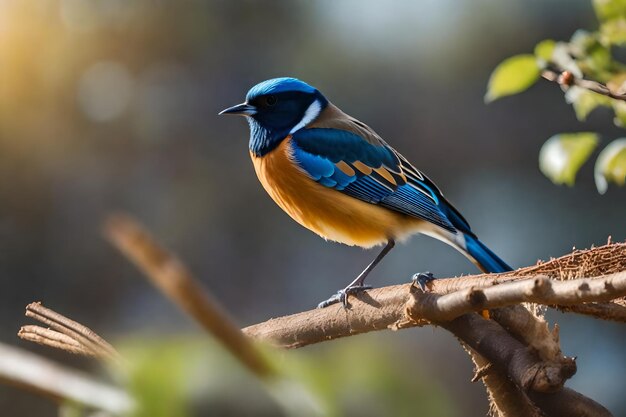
310 114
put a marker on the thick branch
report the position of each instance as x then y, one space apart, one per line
614 311
506 399
383 308
509 401
568 403
537 383
531 330
539 290
510 356
377 309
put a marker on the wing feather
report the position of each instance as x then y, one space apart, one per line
372 172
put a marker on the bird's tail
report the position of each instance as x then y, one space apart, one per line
483 257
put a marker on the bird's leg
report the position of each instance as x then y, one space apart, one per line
357 285
423 278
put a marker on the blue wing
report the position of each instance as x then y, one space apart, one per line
372 172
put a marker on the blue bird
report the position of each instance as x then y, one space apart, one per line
335 176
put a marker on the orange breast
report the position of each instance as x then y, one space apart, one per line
325 211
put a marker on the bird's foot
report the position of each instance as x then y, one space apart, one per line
422 279
342 296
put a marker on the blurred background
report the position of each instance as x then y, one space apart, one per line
110 105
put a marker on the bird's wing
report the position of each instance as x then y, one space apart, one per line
365 167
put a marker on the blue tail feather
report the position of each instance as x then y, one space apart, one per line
488 260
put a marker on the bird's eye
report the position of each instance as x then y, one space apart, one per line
271 100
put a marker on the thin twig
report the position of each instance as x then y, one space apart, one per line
566 79
65 334
482 372
25 369
51 338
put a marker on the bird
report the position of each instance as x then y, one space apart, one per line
337 177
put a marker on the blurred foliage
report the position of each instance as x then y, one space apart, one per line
587 55
159 378
70 409
562 155
353 377
611 165
183 377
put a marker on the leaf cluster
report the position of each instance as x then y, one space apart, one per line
588 55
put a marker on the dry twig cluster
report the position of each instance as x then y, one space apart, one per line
65 334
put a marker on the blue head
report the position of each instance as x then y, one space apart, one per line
276 108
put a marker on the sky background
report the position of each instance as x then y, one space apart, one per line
108 105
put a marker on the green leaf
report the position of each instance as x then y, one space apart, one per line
157 379
70 409
609 9
611 165
544 49
173 377
562 155
613 32
619 107
512 76
585 101
598 60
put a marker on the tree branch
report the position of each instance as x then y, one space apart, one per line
539 290
65 334
501 345
614 311
25 369
170 276
567 79
384 308
506 399
50 338
510 356
568 403
530 329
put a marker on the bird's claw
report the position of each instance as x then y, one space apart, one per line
423 278
342 296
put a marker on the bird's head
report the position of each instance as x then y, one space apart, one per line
276 108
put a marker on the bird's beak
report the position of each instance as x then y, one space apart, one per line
243 109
